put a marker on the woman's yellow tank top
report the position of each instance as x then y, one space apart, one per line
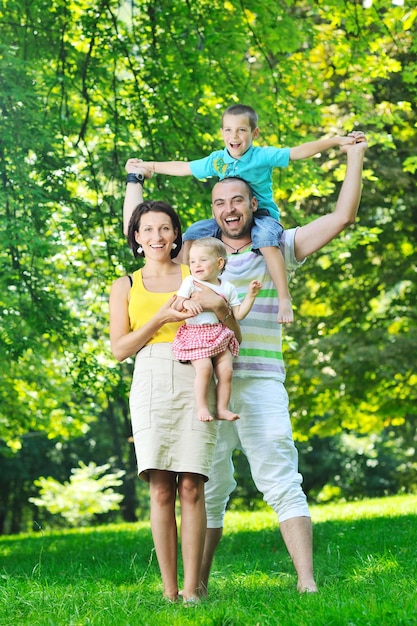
143 305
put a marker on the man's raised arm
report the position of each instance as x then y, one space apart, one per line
319 232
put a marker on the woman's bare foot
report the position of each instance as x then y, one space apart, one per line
172 599
226 415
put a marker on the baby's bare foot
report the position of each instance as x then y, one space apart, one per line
204 415
226 415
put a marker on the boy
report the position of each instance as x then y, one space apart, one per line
241 159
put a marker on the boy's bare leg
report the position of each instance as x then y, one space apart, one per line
223 367
203 374
276 266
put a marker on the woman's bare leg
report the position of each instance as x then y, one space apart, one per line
193 530
163 490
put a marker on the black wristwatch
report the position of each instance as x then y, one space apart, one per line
135 178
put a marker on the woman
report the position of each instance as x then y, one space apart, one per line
173 449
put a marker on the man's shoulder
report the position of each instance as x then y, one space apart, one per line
288 236
288 248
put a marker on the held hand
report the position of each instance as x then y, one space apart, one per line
358 135
209 300
137 166
169 314
192 306
360 145
346 140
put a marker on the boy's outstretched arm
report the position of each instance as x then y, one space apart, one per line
318 233
170 168
309 149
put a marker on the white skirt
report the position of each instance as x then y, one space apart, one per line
166 430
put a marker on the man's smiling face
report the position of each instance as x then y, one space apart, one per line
233 207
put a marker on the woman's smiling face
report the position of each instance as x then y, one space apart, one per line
156 234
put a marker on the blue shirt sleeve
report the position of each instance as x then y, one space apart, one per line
211 165
275 157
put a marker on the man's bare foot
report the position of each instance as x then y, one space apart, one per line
204 414
285 312
226 415
202 590
311 588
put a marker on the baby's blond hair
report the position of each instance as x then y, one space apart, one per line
216 246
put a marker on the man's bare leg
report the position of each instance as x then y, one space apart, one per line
213 536
298 537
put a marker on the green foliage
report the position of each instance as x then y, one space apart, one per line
84 86
89 492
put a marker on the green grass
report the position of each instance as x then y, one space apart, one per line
365 561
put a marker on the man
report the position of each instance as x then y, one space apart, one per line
264 431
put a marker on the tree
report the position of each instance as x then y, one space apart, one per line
85 85
89 492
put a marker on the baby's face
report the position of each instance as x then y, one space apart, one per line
205 264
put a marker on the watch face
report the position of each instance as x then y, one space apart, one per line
139 176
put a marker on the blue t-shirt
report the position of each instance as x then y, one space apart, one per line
255 167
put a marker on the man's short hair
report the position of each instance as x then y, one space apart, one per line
233 179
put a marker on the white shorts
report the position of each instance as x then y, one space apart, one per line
264 435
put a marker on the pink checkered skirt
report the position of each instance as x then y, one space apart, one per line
201 341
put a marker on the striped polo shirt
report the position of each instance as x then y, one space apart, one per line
260 353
